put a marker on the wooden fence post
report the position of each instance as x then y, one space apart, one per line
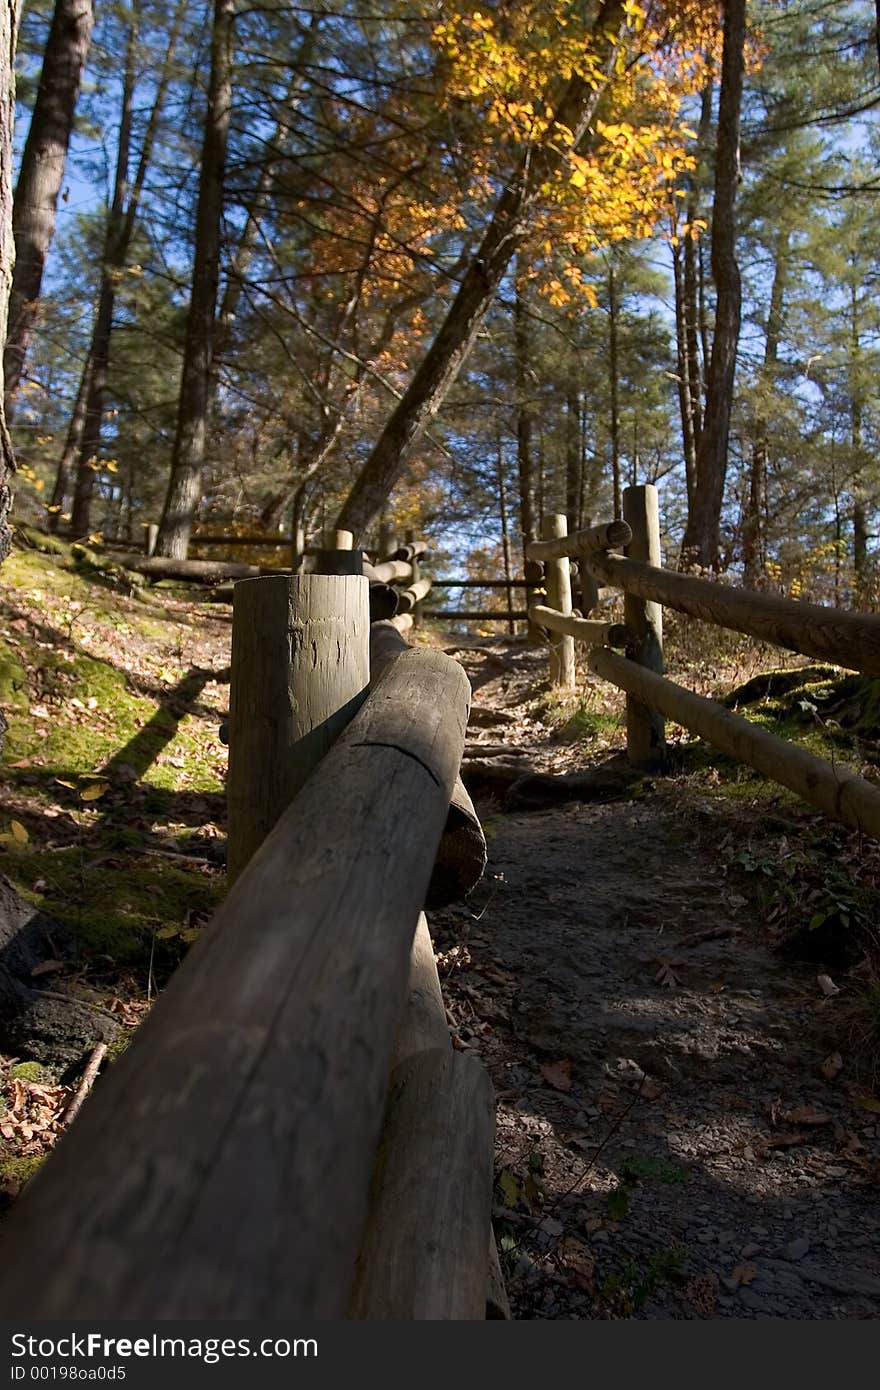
410 537
558 572
645 733
298 550
300 671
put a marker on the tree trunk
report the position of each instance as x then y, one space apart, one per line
99 352
39 179
856 389
255 207
702 533
573 459
185 483
8 29
505 534
685 402
754 547
504 236
67 462
613 310
524 451
86 430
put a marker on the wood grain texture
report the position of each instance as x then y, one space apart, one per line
589 630
831 634
839 793
300 672
461 856
409 598
607 535
424 1255
557 577
222 1168
389 571
423 1025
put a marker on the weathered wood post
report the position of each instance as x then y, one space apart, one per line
589 589
533 574
297 550
410 538
338 555
645 733
300 671
558 573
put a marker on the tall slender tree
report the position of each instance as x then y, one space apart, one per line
703 531
40 176
184 486
84 436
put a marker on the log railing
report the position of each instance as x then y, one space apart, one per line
851 640
290 1133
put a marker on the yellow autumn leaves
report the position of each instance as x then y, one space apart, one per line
618 184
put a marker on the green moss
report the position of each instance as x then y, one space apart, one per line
13 680
15 1168
115 907
73 739
46 544
573 718
29 1071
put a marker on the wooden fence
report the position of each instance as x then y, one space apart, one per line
851 640
290 1133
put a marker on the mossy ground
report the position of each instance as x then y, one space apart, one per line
113 764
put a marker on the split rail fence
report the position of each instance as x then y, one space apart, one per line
290 1133
847 639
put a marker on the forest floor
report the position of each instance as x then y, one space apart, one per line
674 986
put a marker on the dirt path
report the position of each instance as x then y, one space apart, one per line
668 1144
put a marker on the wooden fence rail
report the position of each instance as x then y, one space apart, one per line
223 1168
830 634
850 640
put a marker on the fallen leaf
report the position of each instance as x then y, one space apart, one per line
93 792
832 1065
806 1115
578 1258
15 835
508 1185
666 976
557 1074
783 1141
46 967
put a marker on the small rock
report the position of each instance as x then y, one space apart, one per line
796 1249
749 1250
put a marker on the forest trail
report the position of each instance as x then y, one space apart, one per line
668 1143
676 1135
